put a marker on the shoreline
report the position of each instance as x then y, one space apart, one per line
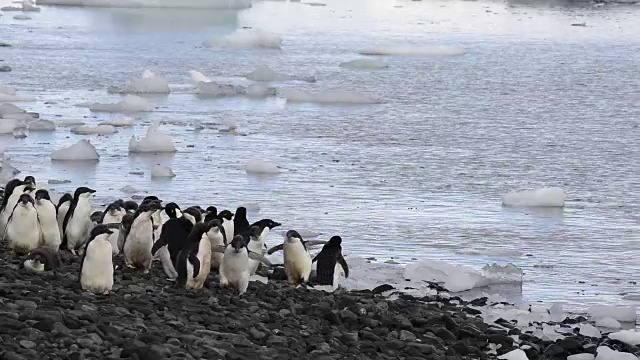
146 318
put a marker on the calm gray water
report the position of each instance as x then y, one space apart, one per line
534 102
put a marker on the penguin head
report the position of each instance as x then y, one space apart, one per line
130 206
65 198
156 205
100 230
42 194
173 210
197 231
115 207
150 198
212 210
25 200
96 217
255 232
335 241
238 243
271 224
214 225
83 192
293 236
30 180
199 208
192 214
241 213
225 215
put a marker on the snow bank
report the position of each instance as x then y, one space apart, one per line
161 171
197 77
631 337
543 197
605 353
247 39
620 313
193 4
119 122
262 167
458 278
414 51
148 83
328 97
83 150
130 103
94 130
41 125
364 64
153 142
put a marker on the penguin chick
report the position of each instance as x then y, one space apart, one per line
42 259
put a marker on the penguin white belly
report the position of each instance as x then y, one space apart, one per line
216 239
62 212
23 232
79 226
11 203
137 247
97 270
204 256
227 225
48 224
113 219
165 260
113 239
233 271
297 263
258 248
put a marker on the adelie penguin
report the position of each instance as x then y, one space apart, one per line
216 237
19 188
257 240
50 231
194 261
210 214
42 259
112 217
62 208
96 266
140 238
240 223
226 217
234 271
77 222
297 261
172 239
329 259
22 230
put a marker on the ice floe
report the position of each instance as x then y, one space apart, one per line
414 50
590 331
608 322
9 94
197 77
215 89
262 167
328 97
247 39
543 197
161 171
620 313
119 122
41 125
605 353
83 150
148 83
21 17
583 356
94 130
265 73
130 103
25 5
364 64
153 142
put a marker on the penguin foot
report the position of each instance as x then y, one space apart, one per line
74 252
171 279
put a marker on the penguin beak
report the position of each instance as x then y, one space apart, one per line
91 191
275 224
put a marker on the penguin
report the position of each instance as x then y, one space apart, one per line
113 214
172 239
193 213
22 230
194 261
240 223
42 259
234 270
62 208
124 228
297 261
210 214
96 266
30 180
329 258
257 240
11 201
139 240
77 221
50 231
130 206
8 190
217 237
96 217
226 217
173 210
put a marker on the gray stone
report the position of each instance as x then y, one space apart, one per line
26 304
406 336
5 68
27 344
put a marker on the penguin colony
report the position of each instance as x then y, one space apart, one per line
190 243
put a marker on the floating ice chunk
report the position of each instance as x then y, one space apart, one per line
41 125
583 356
161 171
27 5
198 77
21 17
230 124
516 354
364 64
7 126
590 331
15 98
630 337
191 4
119 122
213 88
128 189
620 313
262 167
71 122
543 197
457 278
414 51
259 91
556 312
263 73
148 83
94 130
7 172
130 103
328 97
7 109
153 142
605 353
83 150
608 322
247 39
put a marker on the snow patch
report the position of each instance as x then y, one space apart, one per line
94 130
414 51
543 197
83 150
161 171
153 142
364 64
328 97
247 39
262 167
148 83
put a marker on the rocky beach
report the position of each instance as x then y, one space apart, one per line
48 316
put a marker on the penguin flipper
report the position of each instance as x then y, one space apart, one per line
344 265
196 264
275 248
258 257
162 241
218 249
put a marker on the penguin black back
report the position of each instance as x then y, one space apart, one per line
8 190
225 214
66 197
261 225
240 222
330 254
72 208
189 253
175 235
210 214
193 211
42 194
172 210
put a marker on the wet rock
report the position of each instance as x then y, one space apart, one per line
406 335
27 344
554 350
